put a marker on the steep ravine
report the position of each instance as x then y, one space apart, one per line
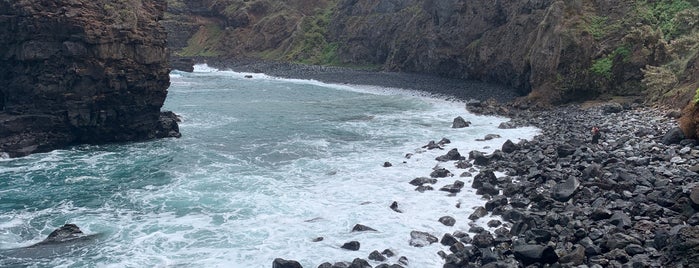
81 72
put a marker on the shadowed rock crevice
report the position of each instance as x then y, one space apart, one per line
81 72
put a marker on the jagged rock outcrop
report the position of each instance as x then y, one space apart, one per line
78 71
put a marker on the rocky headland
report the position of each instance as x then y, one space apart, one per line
82 72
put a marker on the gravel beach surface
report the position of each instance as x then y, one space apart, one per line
438 86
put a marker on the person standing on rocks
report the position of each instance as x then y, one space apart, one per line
595 135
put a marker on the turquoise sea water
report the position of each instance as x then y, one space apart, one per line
264 166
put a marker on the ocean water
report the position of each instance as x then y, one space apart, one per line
264 166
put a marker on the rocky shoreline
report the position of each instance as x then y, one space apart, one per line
438 86
630 200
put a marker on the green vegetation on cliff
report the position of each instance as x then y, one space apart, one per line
567 50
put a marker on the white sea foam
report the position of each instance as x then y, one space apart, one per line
232 203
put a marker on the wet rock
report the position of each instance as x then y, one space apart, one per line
387 164
459 122
489 137
394 207
485 176
444 141
447 220
529 254
488 189
480 212
421 239
441 173
282 263
424 188
483 240
565 190
388 253
508 147
360 263
448 240
453 188
352 245
362 228
64 233
507 125
376 256
463 164
422 181
432 145
403 260
494 223
495 202
452 155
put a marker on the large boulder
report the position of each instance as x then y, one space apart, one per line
282 263
509 147
529 254
460 122
362 228
452 155
421 239
563 191
64 233
685 244
673 136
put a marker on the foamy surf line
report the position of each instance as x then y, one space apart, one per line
367 89
421 209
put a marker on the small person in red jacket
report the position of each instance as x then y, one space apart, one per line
595 135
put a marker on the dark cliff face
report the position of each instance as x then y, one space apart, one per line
81 72
552 51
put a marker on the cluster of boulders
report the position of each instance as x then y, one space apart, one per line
630 200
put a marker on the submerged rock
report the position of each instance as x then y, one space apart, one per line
421 239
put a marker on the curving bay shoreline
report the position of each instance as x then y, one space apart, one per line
632 200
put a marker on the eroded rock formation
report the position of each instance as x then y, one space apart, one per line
78 71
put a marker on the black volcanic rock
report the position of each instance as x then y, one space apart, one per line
352 245
529 254
282 263
459 122
72 74
362 228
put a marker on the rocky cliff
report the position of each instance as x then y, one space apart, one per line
78 71
554 51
